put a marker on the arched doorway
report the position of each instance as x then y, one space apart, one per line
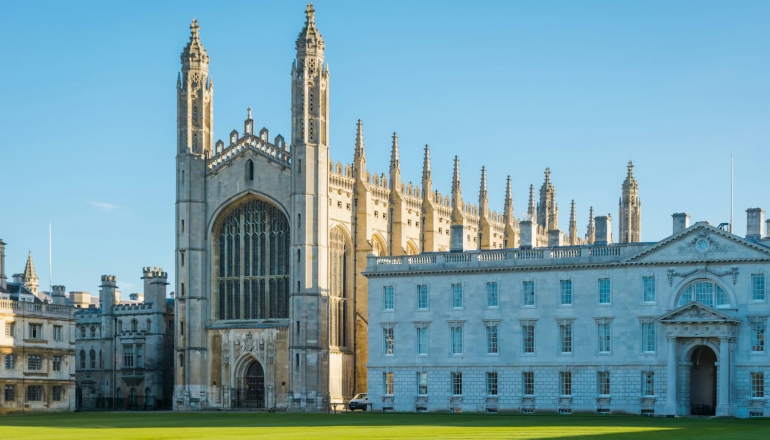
703 382
253 393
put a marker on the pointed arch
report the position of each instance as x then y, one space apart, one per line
340 282
378 245
411 248
249 170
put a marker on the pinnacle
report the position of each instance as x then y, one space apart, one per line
29 269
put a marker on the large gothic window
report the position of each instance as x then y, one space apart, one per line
339 261
253 272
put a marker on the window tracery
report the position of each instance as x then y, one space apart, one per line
339 262
253 272
705 292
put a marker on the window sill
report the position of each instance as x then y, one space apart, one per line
493 354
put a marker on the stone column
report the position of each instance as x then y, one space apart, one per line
671 377
723 378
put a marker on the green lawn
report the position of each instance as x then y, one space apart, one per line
83 426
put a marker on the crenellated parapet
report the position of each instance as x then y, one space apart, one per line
109 280
154 272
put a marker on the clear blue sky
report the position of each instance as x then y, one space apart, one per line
87 108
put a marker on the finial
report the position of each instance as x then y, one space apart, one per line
547 174
310 12
194 29
249 110
360 139
394 163
630 168
456 175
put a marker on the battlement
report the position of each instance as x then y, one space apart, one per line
109 279
57 290
154 272
133 307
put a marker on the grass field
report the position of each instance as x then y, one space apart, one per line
84 426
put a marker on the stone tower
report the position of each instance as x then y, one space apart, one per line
309 300
630 210
195 101
547 209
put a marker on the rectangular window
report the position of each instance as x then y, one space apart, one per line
422 341
491 383
388 298
56 363
491 338
648 337
457 296
457 340
34 393
528 338
757 334
457 384
757 384
566 292
56 393
36 331
492 295
565 383
528 383
648 383
387 381
605 345
604 291
422 383
387 339
9 328
139 356
128 356
648 286
34 363
758 287
10 393
57 333
422 296
528 294
565 334
10 361
604 383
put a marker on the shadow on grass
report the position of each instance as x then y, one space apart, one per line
392 425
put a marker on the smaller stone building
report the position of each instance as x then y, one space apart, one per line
37 368
125 348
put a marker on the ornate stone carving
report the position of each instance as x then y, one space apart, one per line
673 273
733 271
249 342
703 245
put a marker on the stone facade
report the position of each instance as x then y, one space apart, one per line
669 328
272 237
124 349
37 362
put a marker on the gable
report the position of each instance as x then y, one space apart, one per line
694 312
701 242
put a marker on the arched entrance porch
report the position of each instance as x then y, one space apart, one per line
251 390
703 381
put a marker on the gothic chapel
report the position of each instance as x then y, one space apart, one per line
272 238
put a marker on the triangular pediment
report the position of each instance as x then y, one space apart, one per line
695 312
701 242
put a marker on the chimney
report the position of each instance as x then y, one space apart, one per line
754 219
2 265
681 222
555 238
603 230
58 295
456 244
528 231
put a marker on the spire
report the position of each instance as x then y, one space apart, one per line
591 231
309 42
360 141
572 225
508 207
427 181
395 168
531 207
394 164
457 194
483 195
29 269
194 55
30 279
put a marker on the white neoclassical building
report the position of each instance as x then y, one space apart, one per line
675 327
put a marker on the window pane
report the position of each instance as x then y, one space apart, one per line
566 292
492 294
604 291
528 295
649 289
